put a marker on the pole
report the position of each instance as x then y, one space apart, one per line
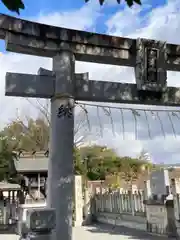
86 188
60 169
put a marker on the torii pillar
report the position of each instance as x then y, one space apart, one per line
60 169
59 86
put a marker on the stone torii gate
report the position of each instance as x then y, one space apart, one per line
151 60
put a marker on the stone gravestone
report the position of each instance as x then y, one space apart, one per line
78 202
160 205
147 189
176 185
175 189
159 183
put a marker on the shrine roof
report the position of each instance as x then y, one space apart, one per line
38 164
9 186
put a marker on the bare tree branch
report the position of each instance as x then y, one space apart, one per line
25 128
81 120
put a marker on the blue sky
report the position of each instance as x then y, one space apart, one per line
151 20
34 8
47 6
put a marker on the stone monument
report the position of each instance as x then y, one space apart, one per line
160 205
159 183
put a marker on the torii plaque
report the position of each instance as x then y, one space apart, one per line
150 58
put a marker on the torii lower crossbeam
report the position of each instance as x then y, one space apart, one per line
42 86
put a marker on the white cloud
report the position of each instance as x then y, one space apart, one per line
162 23
80 19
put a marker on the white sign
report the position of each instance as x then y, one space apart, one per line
78 201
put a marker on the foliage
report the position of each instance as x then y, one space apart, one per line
14 5
96 159
129 2
131 169
7 160
79 167
93 162
17 5
101 162
32 136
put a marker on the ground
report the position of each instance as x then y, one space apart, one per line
103 232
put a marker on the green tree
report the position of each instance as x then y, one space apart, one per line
7 161
79 168
95 158
32 136
93 162
17 5
100 161
131 169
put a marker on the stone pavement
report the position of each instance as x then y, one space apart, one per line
103 232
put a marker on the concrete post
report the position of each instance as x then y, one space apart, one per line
132 202
87 207
78 202
86 202
60 169
39 185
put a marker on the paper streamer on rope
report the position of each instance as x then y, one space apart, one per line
136 113
122 121
86 115
155 115
172 124
107 111
149 130
175 114
100 123
112 123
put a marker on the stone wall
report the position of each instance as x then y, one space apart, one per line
127 220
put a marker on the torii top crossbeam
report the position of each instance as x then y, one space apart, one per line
45 40
150 58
